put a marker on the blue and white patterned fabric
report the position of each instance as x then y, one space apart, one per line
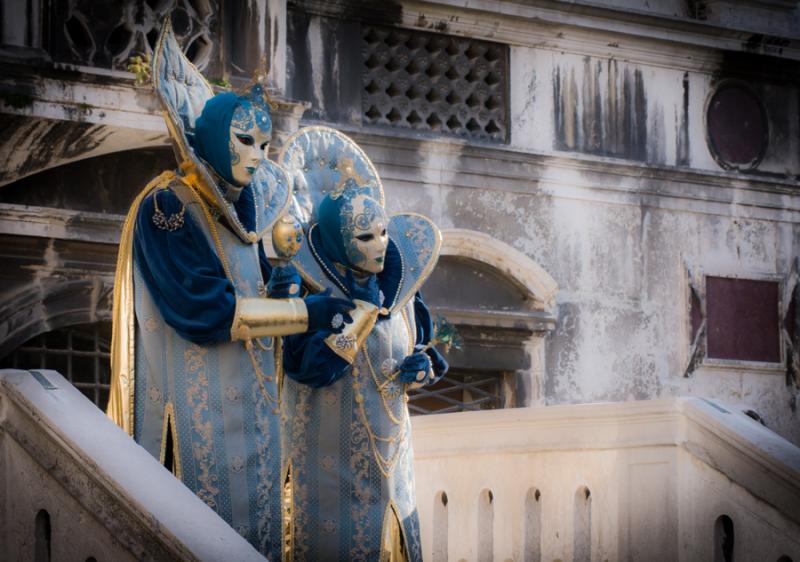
347 449
212 408
217 404
347 446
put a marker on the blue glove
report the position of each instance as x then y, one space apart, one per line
412 365
322 311
284 282
368 292
440 365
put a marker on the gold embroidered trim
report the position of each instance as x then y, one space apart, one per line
288 514
171 427
393 546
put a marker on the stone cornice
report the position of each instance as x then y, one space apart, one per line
561 25
459 164
578 27
60 224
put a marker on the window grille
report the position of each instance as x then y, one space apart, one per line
434 82
79 353
458 391
108 35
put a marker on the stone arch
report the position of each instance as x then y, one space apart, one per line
502 303
517 267
49 305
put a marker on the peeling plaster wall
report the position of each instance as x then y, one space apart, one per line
620 261
607 181
609 184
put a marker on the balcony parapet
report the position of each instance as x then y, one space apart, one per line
641 480
102 496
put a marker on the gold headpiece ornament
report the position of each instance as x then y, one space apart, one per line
257 90
347 169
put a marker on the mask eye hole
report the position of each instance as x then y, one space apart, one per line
264 145
383 232
246 140
365 237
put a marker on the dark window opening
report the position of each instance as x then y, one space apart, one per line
42 537
743 319
723 539
458 391
79 353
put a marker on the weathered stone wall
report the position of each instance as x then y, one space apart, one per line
607 182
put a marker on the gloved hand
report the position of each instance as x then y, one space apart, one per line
440 365
284 282
322 310
367 292
413 365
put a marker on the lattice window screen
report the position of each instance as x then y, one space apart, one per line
459 391
79 353
434 82
106 34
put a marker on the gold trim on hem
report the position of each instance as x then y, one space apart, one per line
171 426
287 503
393 547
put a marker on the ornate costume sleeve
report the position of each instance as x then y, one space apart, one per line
425 330
181 271
308 360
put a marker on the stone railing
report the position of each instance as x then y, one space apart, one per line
73 486
679 479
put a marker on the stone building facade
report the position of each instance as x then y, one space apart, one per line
617 181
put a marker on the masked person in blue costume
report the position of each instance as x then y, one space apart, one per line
193 356
346 431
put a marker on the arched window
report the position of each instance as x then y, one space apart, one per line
501 303
42 535
723 539
80 353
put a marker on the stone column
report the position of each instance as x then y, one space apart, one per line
254 32
285 121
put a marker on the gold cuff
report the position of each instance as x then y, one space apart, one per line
347 343
260 317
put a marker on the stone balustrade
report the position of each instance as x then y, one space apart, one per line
675 479
73 486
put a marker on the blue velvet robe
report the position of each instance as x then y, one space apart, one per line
204 405
184 273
